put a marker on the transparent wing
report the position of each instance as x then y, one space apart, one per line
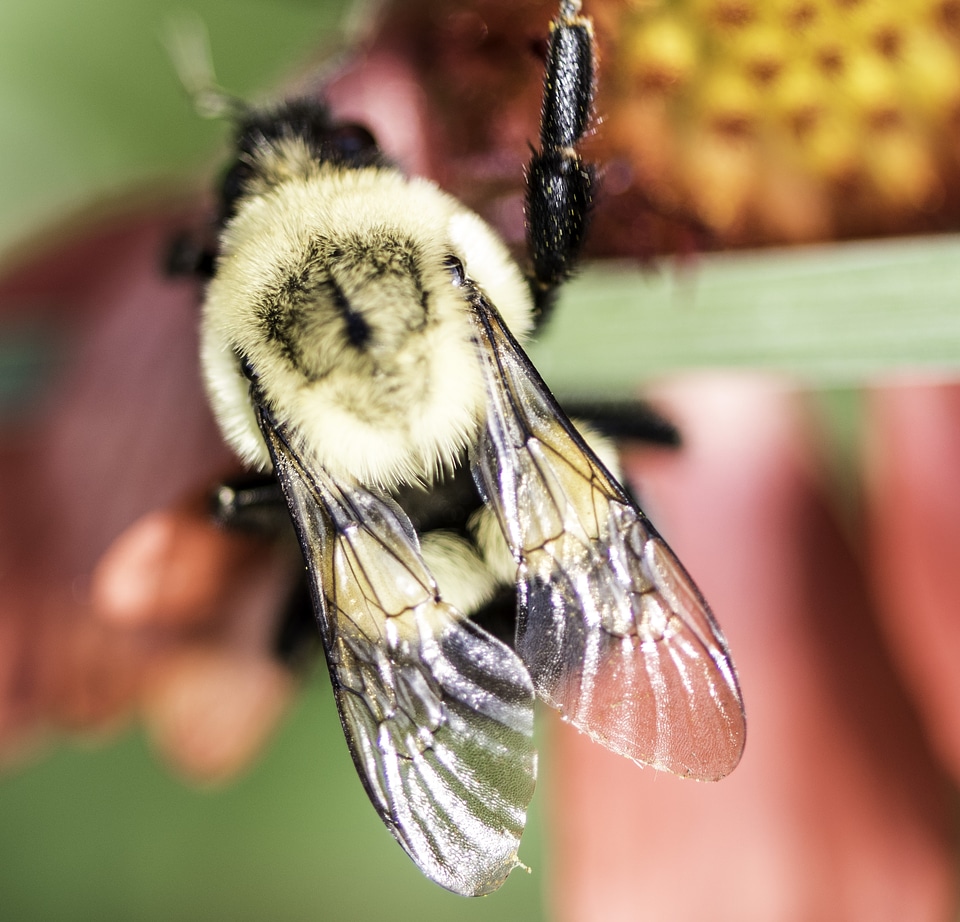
613 630
438 714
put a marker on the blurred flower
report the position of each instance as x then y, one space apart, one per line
116 427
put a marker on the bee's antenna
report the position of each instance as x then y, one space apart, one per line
186 40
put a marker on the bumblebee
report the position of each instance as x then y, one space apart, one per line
362 339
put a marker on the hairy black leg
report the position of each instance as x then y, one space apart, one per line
559 183
626 419
252 503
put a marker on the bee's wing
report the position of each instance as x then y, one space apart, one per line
438 714
613 630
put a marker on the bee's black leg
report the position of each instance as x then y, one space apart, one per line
559 183
634 420
254 503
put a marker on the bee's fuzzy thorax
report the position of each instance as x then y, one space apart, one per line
333 284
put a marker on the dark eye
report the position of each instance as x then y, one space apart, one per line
352 140
455 267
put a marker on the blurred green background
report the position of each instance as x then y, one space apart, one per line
105 833
91 107
91 103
